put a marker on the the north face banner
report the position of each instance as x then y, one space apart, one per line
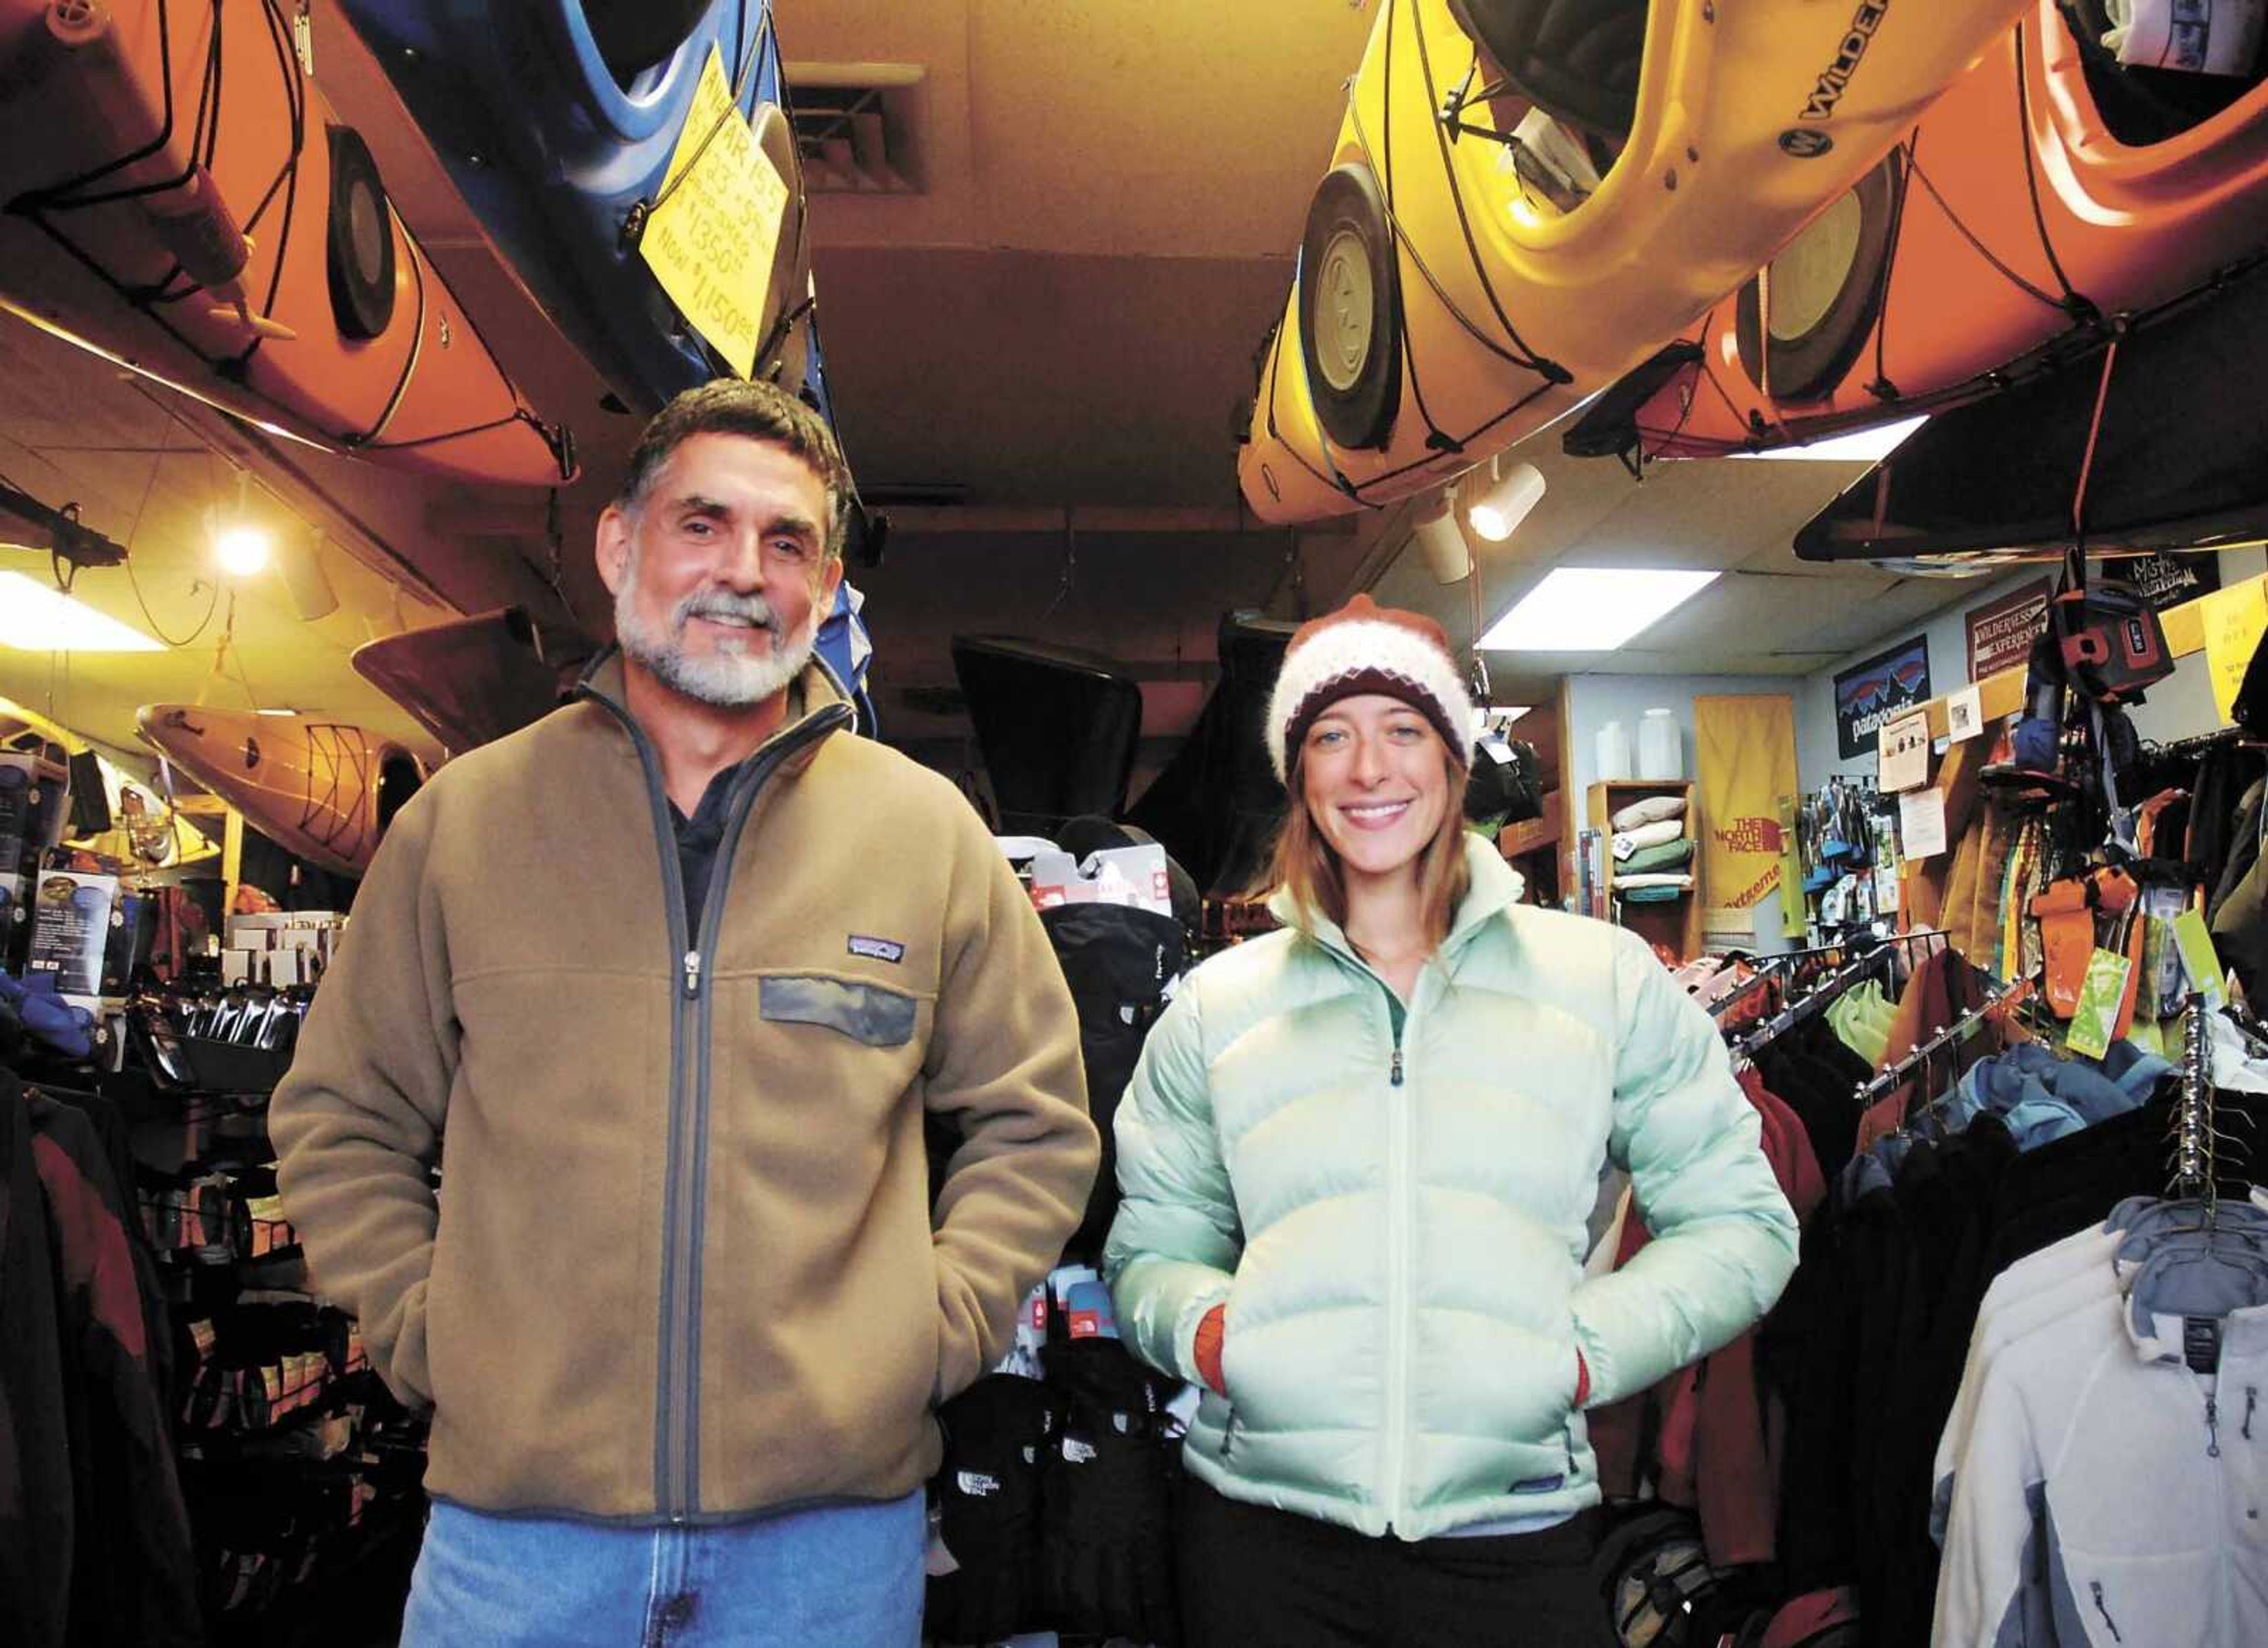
1745 747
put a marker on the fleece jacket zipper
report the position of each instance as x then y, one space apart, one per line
677 1429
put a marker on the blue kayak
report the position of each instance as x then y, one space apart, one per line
556 120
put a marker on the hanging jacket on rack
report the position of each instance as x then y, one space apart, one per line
2144 1466
1715 1419
1118 961
35 1464
132 1579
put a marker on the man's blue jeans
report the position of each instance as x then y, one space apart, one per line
842 1574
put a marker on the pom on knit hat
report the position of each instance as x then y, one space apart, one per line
1367 648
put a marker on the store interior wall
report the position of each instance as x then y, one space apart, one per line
2178 707
1595 700
1817 756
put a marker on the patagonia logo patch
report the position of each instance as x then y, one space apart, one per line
877 949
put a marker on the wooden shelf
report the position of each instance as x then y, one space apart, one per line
1516 841
1676 923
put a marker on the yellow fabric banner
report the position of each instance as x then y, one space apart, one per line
1745 746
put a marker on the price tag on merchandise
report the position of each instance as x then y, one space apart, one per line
710 237
2200 962
2095 1024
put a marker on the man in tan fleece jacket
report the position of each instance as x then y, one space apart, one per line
678 972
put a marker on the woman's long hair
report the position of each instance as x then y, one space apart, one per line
1306 868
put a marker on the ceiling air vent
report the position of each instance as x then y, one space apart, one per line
859 127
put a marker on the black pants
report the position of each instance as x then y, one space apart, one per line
1254 1578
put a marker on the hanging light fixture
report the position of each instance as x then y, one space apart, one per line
1512 491
1442 542
240 544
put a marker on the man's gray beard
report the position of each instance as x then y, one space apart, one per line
725 679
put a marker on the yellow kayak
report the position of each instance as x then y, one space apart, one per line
1520 209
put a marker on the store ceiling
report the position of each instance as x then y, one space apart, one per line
1045 345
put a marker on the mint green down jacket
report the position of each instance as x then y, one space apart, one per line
1399 1242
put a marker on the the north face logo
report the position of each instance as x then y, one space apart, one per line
977 1484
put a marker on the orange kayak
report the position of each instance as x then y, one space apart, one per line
242 248
2047 192
322 790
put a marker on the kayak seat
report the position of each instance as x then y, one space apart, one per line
636 35
1577 60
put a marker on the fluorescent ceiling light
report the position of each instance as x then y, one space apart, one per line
1865 446
1591 609
278 712
36 617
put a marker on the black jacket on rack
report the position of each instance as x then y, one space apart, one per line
125 1554
35 1492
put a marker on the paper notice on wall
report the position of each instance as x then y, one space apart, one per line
2233 620
1904 752
1921 823
1965 714
710 238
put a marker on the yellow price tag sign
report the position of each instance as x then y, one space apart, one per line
710 242
2234 620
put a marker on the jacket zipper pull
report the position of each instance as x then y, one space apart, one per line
2103 1609
2211 1428
1398 1067
2251 1401
692 974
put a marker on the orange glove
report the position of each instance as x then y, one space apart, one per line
1212 1330
1582 1379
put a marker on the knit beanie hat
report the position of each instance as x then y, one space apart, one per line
1367 648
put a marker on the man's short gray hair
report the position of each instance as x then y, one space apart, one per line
761 411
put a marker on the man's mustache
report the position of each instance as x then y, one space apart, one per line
753 609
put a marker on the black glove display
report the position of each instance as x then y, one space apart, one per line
1106 1546
988 1490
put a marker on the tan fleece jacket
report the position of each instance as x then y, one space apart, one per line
682 1264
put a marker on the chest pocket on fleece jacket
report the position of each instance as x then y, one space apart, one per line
871 1013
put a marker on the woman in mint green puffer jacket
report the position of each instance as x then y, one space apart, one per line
1357 1162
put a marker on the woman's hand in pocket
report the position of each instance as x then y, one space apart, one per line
1211 1338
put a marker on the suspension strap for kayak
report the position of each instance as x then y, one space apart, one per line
2080 307
1437 438
2087 466
1882 388
641 212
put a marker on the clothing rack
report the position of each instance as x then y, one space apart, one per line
1824 992
2193 1135
1996 998
2198 745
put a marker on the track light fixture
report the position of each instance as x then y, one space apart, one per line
1513 489
1441 540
